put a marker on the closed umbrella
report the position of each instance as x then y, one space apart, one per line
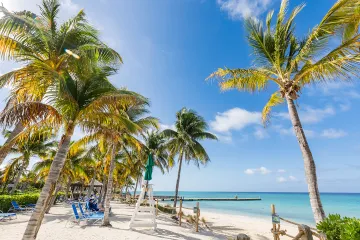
149 168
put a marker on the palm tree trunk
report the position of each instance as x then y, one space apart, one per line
4 151
103 192
91 188
309 164
55 170
17 179
137 182
106 221
53 198
178 179
67 189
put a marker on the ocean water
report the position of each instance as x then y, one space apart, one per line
293 206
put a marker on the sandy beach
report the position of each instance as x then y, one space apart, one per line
221 226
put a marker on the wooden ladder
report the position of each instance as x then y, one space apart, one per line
144 216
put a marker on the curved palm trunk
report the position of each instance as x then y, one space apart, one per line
103 193
55 170
17 179
53 198
106 221
91 188
309 164
178 179
4 151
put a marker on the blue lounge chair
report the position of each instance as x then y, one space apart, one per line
77 218
17 208
5 216
88 213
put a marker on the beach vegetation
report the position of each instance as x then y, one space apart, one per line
340 228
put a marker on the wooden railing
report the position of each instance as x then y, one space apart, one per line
304 232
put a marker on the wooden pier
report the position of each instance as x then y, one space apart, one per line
171 198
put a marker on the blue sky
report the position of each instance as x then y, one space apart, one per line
170 47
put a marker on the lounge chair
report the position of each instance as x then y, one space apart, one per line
17 208
5 216
77 218
88 213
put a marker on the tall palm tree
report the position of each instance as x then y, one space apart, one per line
190 128
35 143
120 137
85 99
292 64
46 49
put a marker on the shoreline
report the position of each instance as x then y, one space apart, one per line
220 226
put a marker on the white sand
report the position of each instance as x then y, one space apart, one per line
222 226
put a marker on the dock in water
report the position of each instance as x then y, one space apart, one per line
171 198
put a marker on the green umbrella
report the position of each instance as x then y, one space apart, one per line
149 168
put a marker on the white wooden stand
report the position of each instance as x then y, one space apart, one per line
144 216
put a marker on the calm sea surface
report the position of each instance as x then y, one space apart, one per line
293 206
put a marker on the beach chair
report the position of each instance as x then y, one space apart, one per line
17 208
77 218
88 213
5 216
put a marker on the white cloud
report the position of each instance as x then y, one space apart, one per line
292 178
281 170
281 179
290 131
289 179
311 115
235 119
261 170
226 138
333 133
353 94
165 126
261 133
239 9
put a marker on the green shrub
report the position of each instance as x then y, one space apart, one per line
337 228
167 209
23 199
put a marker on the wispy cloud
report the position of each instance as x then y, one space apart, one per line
281 170
234 119
261 133
239 9
333 133
290 131
311 115
165 126
284 179
261 170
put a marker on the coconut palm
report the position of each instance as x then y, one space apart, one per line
190 128
292 64
119 137
84 99
35 143
46 49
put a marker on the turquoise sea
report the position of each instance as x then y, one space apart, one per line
293 206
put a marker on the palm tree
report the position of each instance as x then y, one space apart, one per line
46 49
184 141
119 136
35 143
292 64
84 99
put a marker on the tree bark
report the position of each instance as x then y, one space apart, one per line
53 197
55 170
136 185
17 179
178 179
4 151
309 164
67 189
103 193
91 188
106 221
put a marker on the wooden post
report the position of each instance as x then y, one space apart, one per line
273 211
197 216
180 212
